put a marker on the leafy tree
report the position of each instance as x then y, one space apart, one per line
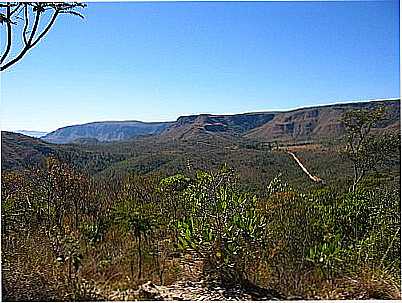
366 150
13 12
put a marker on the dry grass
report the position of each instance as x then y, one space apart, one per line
304 147
30 272
366 284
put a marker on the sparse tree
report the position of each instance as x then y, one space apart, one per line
366 150
28 21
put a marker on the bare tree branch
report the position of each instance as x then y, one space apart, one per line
15 9
9 35
72 13
27 47
26 24
31 38
50 24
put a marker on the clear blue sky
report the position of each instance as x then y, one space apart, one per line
157 61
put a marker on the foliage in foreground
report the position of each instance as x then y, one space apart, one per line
62 230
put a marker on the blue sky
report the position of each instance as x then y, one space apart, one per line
157 61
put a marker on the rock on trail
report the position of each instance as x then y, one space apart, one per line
190 287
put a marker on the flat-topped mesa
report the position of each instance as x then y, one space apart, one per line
237 123
309 123
106 131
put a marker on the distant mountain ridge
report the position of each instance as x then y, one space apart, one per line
205 135
105 131
308 123
31 133
321 122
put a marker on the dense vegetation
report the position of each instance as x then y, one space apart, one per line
256 221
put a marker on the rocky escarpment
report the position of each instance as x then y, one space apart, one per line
105 131
302 124
188 126
320 122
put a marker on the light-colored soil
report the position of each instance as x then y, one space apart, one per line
192 286
312 177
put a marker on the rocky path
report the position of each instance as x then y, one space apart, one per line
190 287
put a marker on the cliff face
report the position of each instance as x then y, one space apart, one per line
105 131
187 126
301 124
320 122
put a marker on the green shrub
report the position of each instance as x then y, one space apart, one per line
222 224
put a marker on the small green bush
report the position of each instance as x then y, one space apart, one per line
222 224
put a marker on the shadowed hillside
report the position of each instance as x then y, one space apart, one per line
312 123
19 151
319 122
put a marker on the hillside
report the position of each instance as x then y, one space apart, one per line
105 131
218 173
313 123
319 122
187 126
18 150
206 140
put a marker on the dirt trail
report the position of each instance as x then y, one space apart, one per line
192 286
312 177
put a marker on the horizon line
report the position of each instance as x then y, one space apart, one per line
221 114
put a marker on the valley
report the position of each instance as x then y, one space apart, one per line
256 144
137 211
200 151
